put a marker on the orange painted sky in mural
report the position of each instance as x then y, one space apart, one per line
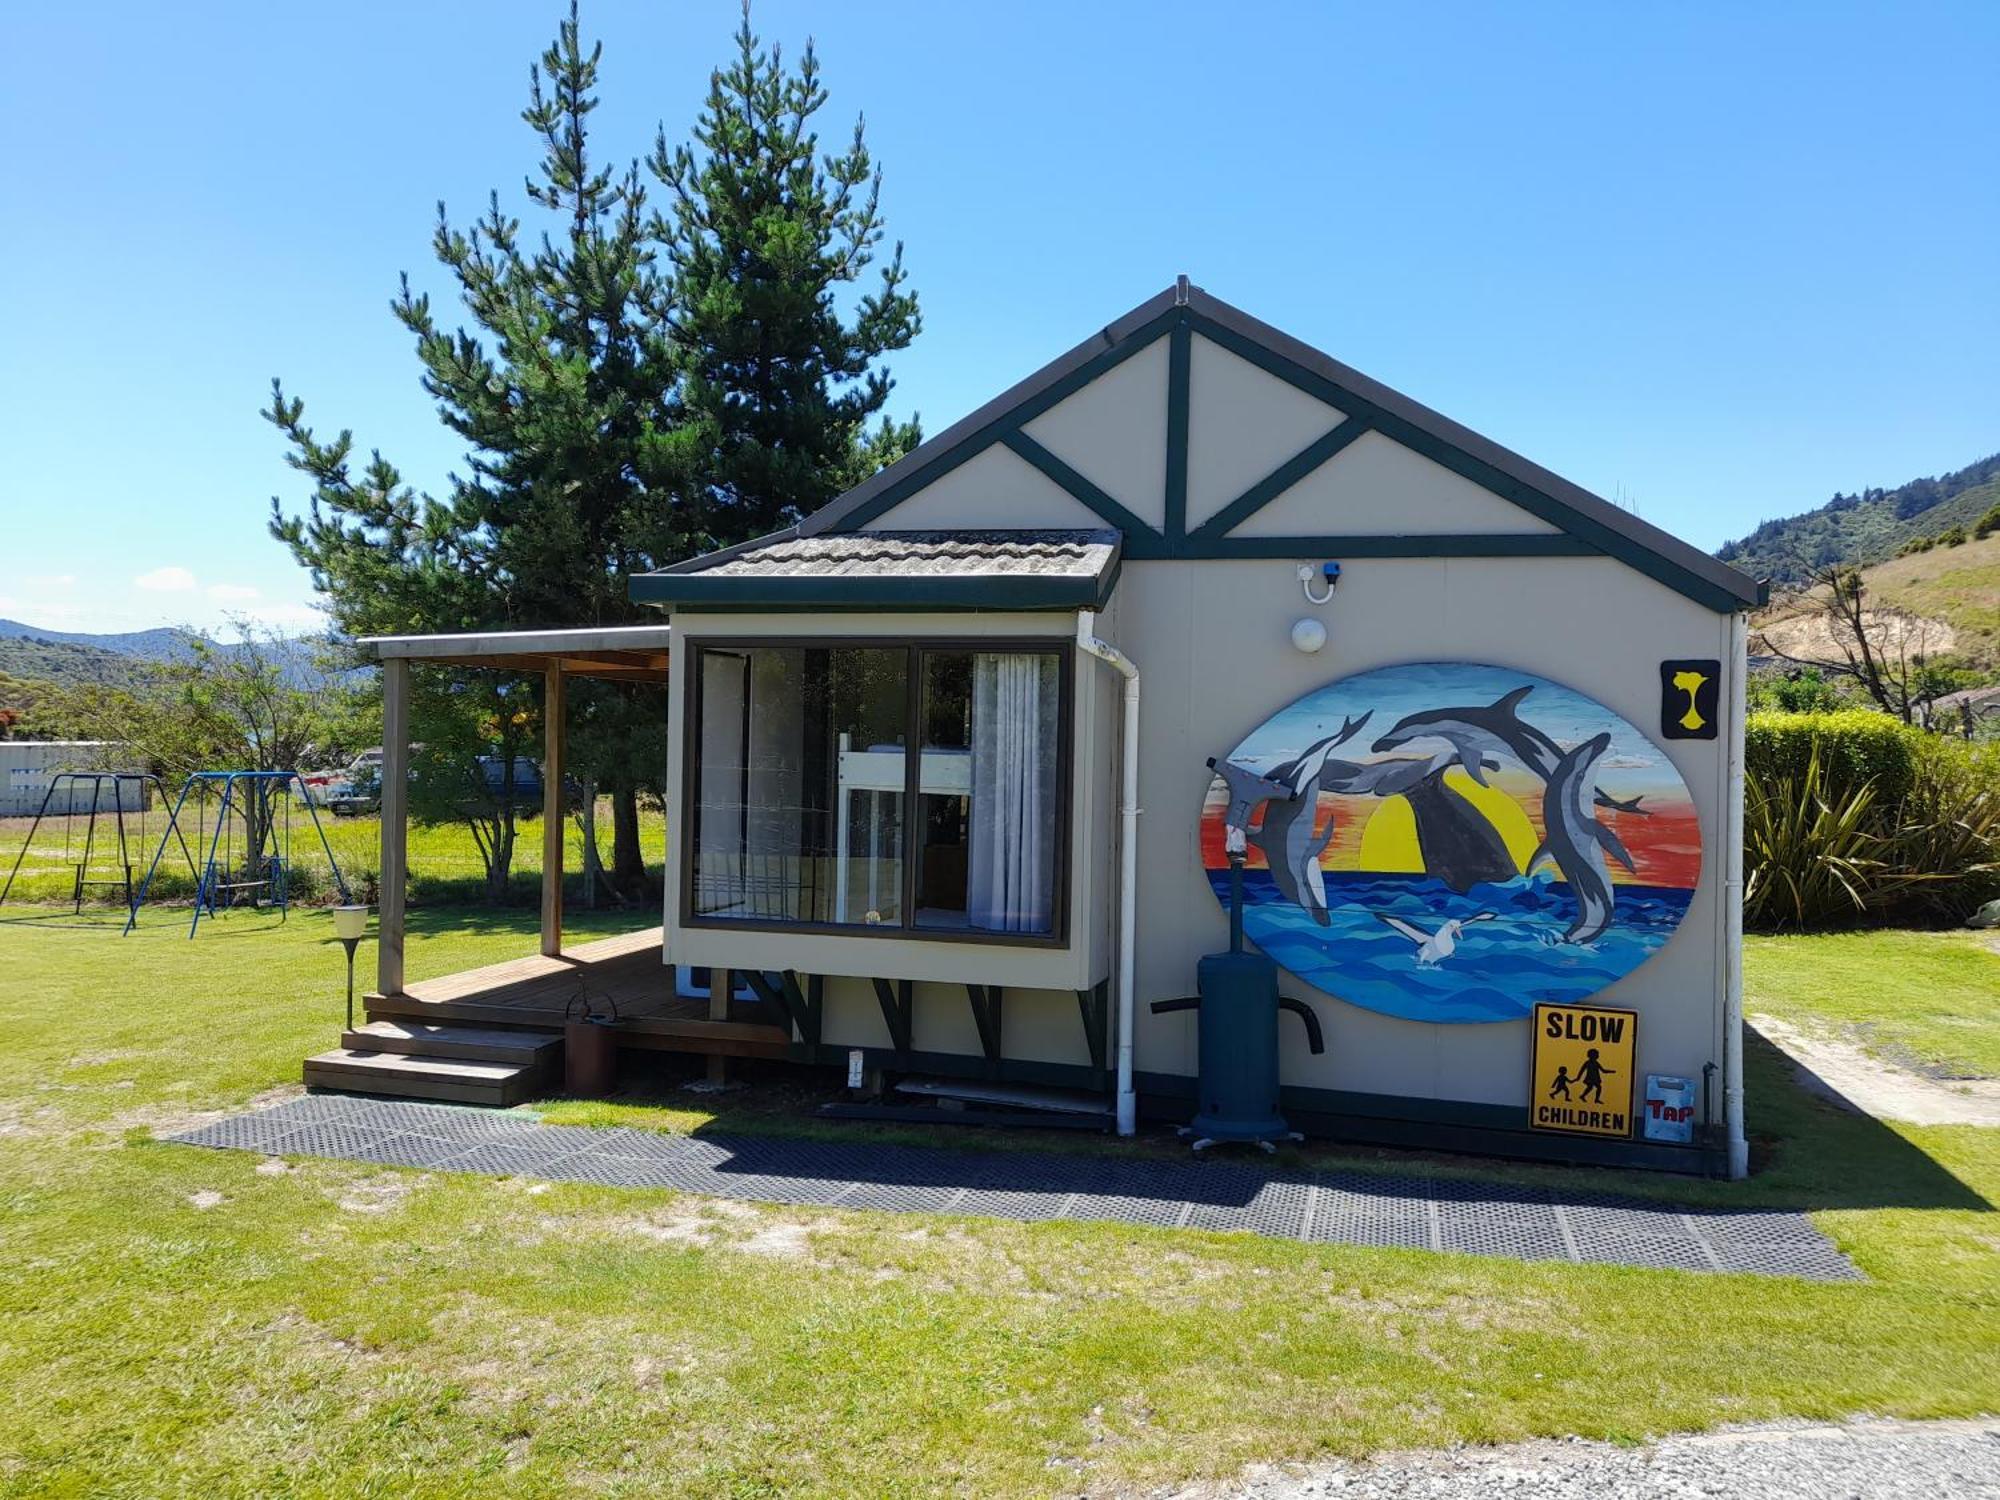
1666 846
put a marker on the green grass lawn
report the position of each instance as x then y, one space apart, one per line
445 863
179 1321
1930 1000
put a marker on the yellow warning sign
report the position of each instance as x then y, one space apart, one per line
1583 1069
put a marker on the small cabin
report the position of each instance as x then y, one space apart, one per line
957 765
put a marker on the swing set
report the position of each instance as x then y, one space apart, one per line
96 863
260 804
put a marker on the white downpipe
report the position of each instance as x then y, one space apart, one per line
1732 910
1128 858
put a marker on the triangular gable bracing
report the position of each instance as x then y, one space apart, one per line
1340 421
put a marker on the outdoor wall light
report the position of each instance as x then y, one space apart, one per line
1308 635
350 925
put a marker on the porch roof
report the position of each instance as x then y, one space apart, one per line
897 569
619 653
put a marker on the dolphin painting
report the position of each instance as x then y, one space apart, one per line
1247 789
1577 842
1458 844
1474 733
1435 947
1288 839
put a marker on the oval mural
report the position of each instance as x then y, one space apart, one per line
1445 841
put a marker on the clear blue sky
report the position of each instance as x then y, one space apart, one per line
1714 261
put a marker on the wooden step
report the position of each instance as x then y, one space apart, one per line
463 1043
447 1079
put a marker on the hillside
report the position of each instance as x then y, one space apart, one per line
1866 527
1956 589
160 644
70 663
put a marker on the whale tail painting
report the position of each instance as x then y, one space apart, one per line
1487 796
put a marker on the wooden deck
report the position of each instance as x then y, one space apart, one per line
626 971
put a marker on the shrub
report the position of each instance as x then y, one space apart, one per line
1948 830
1987 524
1822 849
1810 859
1952 536
1854 747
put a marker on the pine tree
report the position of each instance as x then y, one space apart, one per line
558 390
761 237
633 387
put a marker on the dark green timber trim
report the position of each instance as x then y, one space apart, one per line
1280 479
1180 355
1599 537
803 1010
1078 487
975 443
810 1006
895 998
1095 1006
1456 544
985 1001
772 994
759 591
1583 532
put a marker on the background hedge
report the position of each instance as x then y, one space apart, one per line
1855 746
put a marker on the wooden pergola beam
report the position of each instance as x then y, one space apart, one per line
553 713
395 825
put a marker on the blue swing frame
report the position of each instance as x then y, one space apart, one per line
262 786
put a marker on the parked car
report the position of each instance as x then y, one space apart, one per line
350 799
527 777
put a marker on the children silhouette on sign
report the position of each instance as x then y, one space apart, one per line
1591 1076
1559 1087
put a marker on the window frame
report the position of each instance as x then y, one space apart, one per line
905 928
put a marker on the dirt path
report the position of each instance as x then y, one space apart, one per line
1842 1072
1865 1460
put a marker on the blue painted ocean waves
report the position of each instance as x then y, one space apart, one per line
1501 968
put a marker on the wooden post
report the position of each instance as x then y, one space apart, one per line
553 712
395 824
721 984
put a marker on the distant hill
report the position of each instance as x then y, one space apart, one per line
1867 527
72 663
33 657
163 644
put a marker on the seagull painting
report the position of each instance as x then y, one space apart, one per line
1435 947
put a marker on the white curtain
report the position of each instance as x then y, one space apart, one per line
1011 885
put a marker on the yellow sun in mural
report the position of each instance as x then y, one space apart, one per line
1389 842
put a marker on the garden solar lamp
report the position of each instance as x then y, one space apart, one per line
350 925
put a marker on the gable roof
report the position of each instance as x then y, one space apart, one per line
883 569
1586 524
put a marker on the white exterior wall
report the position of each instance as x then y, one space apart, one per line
1040 1009
1211 637
1212 640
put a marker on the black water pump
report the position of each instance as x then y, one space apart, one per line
1238 1024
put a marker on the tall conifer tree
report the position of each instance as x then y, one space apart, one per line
634 387
761 237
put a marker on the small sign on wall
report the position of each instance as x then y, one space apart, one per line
1669 1111
1582 1083
1690 695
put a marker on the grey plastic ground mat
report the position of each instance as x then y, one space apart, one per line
1411 1210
